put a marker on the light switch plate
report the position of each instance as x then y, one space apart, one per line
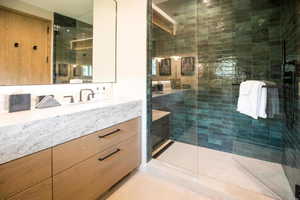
19 102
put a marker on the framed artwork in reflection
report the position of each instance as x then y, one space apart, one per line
63 69
77 71
187 66
165 67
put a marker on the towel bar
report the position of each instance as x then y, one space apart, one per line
265 86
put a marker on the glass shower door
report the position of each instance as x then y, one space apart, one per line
175 58
260 144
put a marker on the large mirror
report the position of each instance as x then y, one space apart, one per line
57 41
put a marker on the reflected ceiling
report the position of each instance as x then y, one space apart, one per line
171 6
78 9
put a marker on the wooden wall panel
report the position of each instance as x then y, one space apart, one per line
23 65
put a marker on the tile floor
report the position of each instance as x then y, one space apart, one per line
187 172
252 174
159 181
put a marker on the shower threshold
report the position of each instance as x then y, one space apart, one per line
162 148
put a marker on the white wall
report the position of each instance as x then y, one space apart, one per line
102 90
104 43
132 55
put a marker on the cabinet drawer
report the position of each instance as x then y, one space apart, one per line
42 191
70 153
89 179
18 175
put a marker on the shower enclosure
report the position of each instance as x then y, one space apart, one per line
212 46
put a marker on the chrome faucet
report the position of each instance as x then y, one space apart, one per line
92 94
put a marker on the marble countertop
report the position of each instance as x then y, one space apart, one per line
27 132
39 114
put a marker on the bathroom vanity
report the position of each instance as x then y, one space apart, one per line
72 152
79 149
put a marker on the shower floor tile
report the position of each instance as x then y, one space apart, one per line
252 174
181 155
143 186
159 181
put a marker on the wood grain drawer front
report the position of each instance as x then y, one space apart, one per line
70 153
42 191
18 175
89 179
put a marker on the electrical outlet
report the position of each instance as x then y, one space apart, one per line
297 192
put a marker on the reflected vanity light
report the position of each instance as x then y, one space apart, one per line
158 59
176 58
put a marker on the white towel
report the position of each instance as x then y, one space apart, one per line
253 99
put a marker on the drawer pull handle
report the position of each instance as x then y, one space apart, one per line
108 134
109 155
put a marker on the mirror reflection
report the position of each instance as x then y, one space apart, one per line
73 50
51 42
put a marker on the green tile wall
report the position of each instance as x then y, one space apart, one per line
234 40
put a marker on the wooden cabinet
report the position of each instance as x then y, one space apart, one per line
81 169
70 153
41 191
89 179
18 175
